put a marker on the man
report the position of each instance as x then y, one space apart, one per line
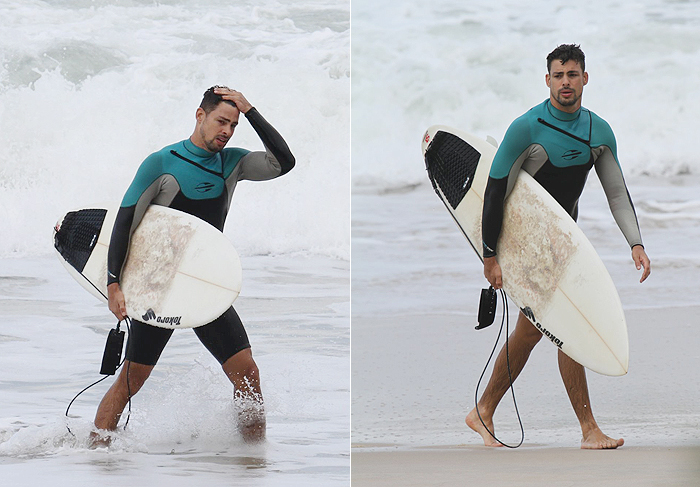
197 176
557 142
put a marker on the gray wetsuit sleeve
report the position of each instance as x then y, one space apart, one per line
277 158
619 199
515 149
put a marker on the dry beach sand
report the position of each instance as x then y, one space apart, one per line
529 466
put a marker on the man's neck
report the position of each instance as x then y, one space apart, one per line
568 109
198 142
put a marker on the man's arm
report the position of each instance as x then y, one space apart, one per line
620 202
141 192
492 214
491 223
621 206
116 256
639 256
277 160
504 170
604 149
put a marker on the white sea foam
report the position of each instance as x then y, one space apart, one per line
89 88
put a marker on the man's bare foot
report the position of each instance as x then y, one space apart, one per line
97 440
474 423
597 440
252 424
252 433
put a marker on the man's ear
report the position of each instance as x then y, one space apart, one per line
200 115
547 80
585 78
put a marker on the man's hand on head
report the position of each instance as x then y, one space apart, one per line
236 97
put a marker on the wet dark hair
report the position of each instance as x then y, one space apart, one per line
211 100
565 53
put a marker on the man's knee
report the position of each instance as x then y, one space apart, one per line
136 374
527 330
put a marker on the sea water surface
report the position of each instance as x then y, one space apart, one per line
89 88
477 66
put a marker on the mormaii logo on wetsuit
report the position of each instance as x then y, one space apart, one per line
531 316
204 187
168 320
570 155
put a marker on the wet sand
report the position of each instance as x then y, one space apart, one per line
411 432
416 358
528 466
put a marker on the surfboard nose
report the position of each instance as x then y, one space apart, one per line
427 137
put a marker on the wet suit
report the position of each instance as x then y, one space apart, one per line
190 179
558 149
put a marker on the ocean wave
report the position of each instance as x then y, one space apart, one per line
88 89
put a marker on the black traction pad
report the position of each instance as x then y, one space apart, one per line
77 235
451 163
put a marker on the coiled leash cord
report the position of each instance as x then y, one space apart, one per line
487 308
111 361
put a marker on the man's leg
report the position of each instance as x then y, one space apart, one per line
574 376
112 405
227 340
520 344
143 348
245 376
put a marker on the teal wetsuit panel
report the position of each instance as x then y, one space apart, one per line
563 150
199 177
558 149
187 178
191 179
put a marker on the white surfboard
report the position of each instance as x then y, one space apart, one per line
550 269
181 272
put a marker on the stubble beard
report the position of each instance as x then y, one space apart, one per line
211 144
567 102
211 147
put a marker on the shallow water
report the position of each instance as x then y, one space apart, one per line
88 88
182 426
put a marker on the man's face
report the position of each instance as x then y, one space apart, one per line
216 127
566 82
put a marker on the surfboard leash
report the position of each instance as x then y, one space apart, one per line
111 361
491 295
